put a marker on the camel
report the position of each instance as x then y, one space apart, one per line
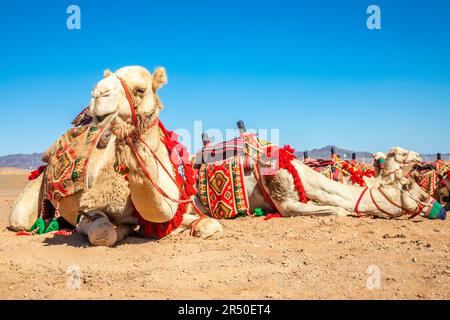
341 170
105 211
432 177
132 119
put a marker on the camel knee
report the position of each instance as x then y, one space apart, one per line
99 230
22 217
25 210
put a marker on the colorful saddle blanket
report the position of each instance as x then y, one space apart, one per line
337 169
431 175
68 162
247 146
222 189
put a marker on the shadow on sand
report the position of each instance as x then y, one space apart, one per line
79 240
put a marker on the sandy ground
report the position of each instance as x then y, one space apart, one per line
293 258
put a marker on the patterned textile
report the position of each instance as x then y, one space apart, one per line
428 181
332 173
222 189
443 169
83 118
431 176
247 146
69 158
338 170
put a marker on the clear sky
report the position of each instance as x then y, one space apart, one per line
309 68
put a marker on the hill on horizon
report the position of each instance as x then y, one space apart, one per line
34 160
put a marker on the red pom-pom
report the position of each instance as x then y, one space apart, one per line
36 173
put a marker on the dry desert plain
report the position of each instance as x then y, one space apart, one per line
291 258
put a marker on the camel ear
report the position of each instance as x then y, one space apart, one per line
159 78
392 152
107 73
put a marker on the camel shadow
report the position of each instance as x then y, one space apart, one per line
79 240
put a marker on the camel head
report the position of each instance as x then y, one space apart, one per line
403 156
414 198
109 102
396 159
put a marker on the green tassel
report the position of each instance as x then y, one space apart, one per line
53 226
259 212
39 226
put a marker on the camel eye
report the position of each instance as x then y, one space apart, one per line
140 91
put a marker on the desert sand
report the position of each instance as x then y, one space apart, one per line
291 258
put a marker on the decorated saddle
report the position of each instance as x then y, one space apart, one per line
222 187
431 175
222 190
221 175
247 146
68 161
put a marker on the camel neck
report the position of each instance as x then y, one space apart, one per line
151 205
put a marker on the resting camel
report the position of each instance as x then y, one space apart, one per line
105 210
391 198
434 178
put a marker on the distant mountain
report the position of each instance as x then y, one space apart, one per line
32 161
22 161
325 153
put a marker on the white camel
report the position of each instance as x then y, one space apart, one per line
107 213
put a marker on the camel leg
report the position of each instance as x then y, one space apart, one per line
26 207
97 227
206 228
296 208
123 231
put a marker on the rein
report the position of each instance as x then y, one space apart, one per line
413 214
140 161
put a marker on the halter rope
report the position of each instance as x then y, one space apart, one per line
405 211
141 163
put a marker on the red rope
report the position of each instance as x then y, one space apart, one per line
130 101
285 156
359 201
185 186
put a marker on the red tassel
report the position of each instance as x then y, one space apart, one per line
190 190
271 216
36 173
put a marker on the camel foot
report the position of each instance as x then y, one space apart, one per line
208 229
99 230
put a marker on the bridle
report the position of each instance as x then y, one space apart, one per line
420 205
185 199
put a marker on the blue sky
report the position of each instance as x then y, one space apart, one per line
309 68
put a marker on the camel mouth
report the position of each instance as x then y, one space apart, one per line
104 119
